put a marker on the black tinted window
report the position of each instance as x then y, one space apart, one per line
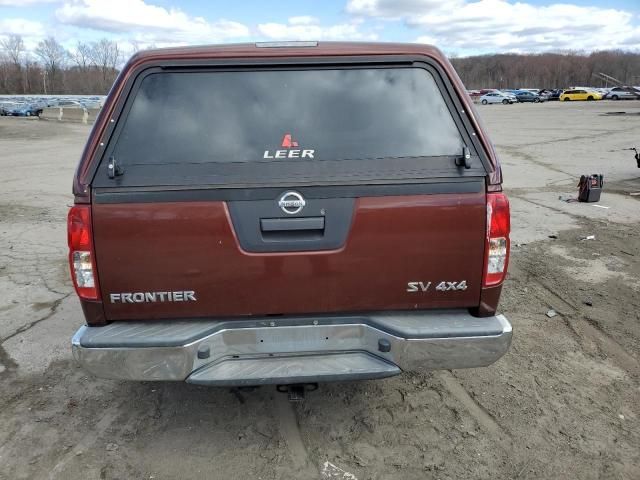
224 117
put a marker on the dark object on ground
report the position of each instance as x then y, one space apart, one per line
621 113
590 187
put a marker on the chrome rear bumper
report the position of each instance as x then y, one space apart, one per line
291 350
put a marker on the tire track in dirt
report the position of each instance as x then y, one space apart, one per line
290 431
518 153
584 328
553 209
87 441
477 411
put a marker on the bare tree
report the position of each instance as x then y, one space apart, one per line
14 50
53 56
82 55
5 74
105 55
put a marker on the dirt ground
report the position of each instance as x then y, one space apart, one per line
564 403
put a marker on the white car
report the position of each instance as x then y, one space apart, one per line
497 97
619 93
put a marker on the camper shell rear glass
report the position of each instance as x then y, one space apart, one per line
303 125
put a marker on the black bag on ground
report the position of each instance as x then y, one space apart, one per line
590 187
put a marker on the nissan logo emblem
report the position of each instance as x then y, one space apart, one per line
291 203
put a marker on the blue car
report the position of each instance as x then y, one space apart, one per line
23 110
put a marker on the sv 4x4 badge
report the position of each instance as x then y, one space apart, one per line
416 287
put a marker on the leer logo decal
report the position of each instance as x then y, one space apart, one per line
288 142
289 149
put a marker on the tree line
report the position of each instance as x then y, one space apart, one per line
91 68
548 70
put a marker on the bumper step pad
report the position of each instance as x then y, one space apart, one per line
294 369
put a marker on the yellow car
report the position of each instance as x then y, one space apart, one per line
579 94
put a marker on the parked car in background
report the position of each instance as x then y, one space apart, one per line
497 97
511 94
23 110
526 96
69 103
554 96
602 91
580 94
619 93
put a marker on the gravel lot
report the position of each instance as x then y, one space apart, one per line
564 403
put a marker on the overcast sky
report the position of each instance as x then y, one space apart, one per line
459 27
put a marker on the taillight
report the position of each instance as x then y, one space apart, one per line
497 248
81 253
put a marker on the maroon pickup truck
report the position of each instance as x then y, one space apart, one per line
288 213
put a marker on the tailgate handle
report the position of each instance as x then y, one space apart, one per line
291 224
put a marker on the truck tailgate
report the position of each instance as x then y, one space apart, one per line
398 251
